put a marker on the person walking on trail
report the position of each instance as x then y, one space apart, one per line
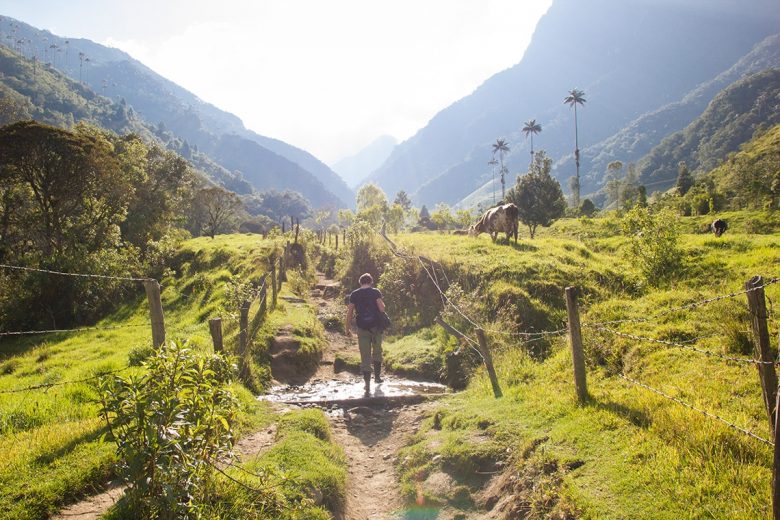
366 304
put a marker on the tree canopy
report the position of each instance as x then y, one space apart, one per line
538 195
81 201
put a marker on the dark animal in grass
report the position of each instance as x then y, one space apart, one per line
501 219
719 227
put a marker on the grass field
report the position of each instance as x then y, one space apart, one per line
627 453
52 449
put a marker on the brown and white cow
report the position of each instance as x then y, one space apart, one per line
501 219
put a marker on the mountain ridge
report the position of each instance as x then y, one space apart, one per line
627 60
158 99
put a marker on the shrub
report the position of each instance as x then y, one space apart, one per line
654 244
364 254
169 425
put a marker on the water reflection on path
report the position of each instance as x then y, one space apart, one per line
336 390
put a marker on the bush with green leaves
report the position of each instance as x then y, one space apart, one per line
170 425
365 252
654 244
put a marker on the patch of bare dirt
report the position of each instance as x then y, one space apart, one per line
371 438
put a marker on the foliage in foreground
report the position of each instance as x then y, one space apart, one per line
171 425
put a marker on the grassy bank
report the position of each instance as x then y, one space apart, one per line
628 453
52 449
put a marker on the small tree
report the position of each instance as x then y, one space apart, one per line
463 218
442 216
537 195
425 217
613 183
402 199
372 204
684 178
395 218
587 208
216 210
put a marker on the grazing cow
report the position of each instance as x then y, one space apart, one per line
719 227
496 220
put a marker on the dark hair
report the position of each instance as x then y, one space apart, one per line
366 279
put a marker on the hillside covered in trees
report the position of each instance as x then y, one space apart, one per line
732 118
171 109
632 57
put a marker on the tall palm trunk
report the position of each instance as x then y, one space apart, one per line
576 193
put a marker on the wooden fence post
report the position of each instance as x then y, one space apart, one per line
281 275
156 312
337 241
485 351
263 298
575 340
243 328
776 463
273 283
766 371
215 327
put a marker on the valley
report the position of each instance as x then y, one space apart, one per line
578 255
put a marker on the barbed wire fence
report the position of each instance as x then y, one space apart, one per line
759 314
157 320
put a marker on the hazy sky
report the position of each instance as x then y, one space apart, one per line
326 75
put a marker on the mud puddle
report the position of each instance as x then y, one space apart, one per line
319 390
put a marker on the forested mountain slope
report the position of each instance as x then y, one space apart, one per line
630 57
641 135
730 120
157 100
30 90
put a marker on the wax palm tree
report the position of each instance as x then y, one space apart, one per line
501 146
576 97
531 128
492 162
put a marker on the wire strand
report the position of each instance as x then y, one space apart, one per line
46 386
78 275
687 347
687 306
59 331
703 412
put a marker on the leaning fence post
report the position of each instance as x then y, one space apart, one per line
766 369
575 340
263 298
243 328
776 463
156 312
273 283
281 275
488 359
215 327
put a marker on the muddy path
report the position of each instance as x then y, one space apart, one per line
370 430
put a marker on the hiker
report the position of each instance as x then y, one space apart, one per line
366 304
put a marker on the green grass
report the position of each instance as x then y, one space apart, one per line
627 453
51 444
304 471
418 356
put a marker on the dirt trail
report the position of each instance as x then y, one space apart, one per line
371 436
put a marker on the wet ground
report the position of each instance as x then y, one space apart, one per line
324 391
